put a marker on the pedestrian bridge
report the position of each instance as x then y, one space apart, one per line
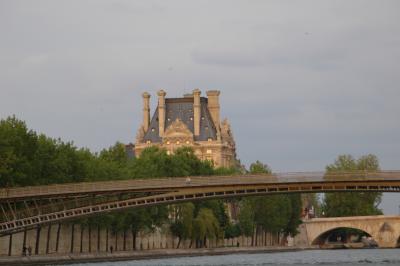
27 207
385 230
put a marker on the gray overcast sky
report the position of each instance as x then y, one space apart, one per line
300 81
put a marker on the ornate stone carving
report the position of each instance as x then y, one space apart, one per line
178 131
226 133
140 135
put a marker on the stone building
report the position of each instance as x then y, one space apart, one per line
192 121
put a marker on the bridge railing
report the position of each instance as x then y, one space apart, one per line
170 183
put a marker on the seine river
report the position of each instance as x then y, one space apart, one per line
311 257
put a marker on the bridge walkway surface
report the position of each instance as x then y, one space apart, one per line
27 207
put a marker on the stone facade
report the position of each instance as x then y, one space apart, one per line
192 121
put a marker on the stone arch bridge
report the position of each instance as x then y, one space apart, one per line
385 230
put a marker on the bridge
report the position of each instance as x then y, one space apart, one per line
385 230
28 207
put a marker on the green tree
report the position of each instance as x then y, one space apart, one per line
205 225
338 204
272 213
17 149
247 217
259 168
182 225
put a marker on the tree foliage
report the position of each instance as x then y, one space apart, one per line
355 203
274 213
260 168
28 158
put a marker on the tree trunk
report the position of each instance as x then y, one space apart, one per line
205 242
107 239
72 237
10 245
124 245
256 240
179 242
24 242
90 238
252 237
81 248
98 238
58 236
265 238
134 234
116 241
37 240
191 242
48 239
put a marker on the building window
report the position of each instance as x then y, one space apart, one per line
191 118
168 142
187 142
178 142
148 141
153 129
209 151
169 119
209 139
206 128
202 118
168 152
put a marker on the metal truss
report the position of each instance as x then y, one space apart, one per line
23 208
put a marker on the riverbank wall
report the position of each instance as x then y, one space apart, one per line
77 239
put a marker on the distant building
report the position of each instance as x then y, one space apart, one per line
192 121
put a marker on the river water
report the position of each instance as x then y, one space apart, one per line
359 257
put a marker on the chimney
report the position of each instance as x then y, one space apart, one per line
196 111
161 112
213 107
146 111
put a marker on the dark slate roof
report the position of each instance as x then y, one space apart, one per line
130 150
182 109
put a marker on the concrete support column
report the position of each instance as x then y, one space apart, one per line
213 107
146 111
161 112
196 111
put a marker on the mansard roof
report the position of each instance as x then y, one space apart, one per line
182 109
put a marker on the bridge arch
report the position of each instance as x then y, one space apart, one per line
385 230
337 232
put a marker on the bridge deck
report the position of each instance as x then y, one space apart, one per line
168 184
27 207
